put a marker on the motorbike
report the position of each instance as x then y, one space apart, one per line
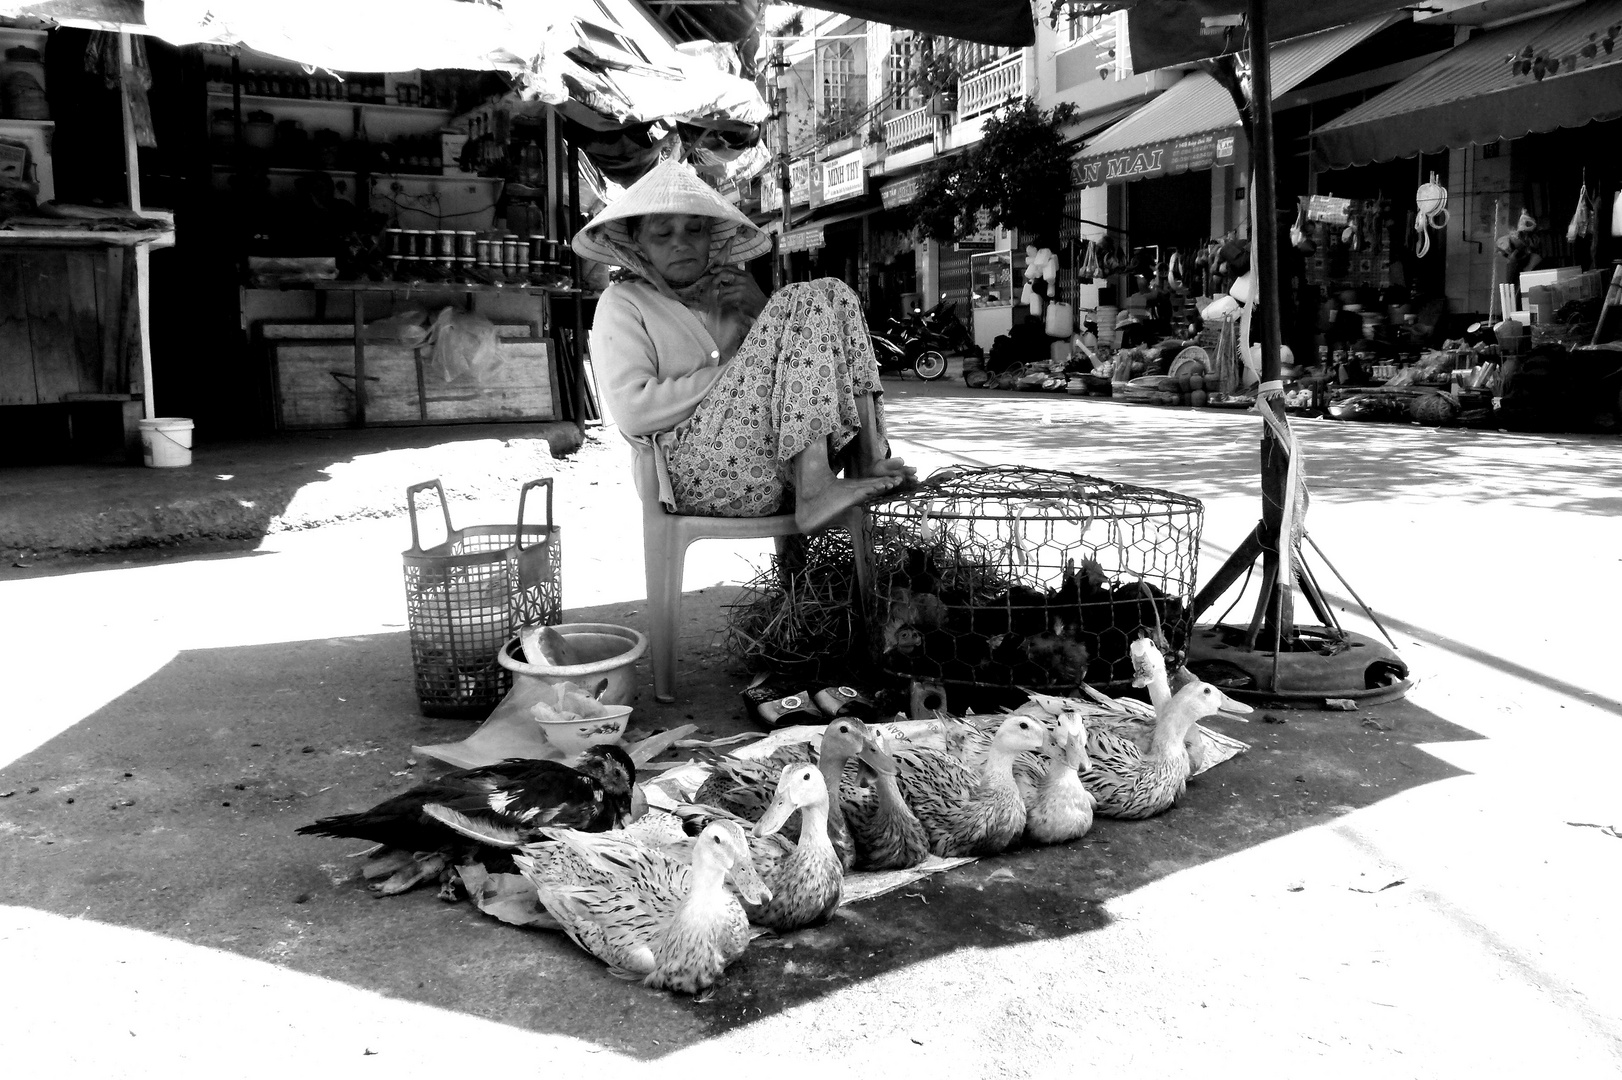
901 346
943 330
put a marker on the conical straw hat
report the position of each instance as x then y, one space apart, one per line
670 187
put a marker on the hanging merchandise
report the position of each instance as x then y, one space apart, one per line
1432 201
1089 263
1298 232
1582 219
1174 270
1616 215
1041 274
1523 247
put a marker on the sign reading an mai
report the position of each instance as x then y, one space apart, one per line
1188 154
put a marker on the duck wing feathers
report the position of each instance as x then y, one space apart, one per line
518 792
961 813
1127 782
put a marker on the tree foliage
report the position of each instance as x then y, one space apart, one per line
1018 174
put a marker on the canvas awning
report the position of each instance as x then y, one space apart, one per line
607 56
1194 124
1473 95
990 22
1167 33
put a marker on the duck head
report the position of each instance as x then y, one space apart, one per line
1068 746
1020 733
1148 664
846 737
1200 699
798 787
722 844
613 768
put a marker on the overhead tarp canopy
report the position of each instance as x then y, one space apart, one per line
1167 33
1474 95
990 22
1194 124
607 56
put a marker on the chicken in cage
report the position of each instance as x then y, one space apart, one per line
1016 577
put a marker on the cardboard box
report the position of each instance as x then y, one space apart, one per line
1533 278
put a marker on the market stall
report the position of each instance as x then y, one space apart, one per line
74 280
374 208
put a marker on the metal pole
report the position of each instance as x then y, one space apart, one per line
784 167
1265 192
1278 558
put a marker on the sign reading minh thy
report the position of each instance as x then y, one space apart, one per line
1194 152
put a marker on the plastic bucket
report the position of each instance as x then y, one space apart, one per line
166 442
606 652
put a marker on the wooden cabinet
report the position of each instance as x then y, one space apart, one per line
66 323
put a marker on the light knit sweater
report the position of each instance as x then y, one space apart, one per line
653 357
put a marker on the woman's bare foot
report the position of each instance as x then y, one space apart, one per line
893 466
815 508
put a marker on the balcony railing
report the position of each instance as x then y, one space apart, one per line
910 129
991 88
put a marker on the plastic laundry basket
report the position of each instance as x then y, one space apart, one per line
467 596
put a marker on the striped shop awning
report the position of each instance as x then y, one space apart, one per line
1473 94
1194 125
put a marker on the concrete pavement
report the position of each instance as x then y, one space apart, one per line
1419 889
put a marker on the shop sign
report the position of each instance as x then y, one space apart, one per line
804 239
844 177
985 236
1327 208
799 194
901 192
1189 154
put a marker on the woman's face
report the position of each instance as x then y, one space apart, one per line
677 245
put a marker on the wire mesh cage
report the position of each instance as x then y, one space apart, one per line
1013 577
467 596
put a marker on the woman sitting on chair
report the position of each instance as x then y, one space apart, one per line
740 399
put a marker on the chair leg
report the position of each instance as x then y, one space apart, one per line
663 557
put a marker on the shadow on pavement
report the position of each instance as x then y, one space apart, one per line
172 810
1212 454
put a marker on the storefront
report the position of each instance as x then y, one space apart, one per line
373 233
1502 141
1181 165
1527 151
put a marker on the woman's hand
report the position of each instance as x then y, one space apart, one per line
736 290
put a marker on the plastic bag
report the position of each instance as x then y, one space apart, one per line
408 327
465 346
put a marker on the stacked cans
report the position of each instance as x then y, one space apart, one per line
442 253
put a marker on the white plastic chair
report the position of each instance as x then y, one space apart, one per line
665 537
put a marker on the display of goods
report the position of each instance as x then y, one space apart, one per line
1006 577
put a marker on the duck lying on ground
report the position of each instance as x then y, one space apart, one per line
517 794
670 922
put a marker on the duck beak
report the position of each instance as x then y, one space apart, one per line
876 759
776 815
1233 708
750 887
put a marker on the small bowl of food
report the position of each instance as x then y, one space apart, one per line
572 718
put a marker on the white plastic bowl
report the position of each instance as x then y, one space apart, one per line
572 736
611 653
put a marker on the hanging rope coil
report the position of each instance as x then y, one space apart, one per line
1431 199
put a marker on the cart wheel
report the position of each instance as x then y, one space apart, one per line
930 365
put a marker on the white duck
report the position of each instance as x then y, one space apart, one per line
646 914
1132 782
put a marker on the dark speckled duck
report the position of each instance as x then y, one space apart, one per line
517 794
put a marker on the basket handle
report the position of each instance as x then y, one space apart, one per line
523 494
411 505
